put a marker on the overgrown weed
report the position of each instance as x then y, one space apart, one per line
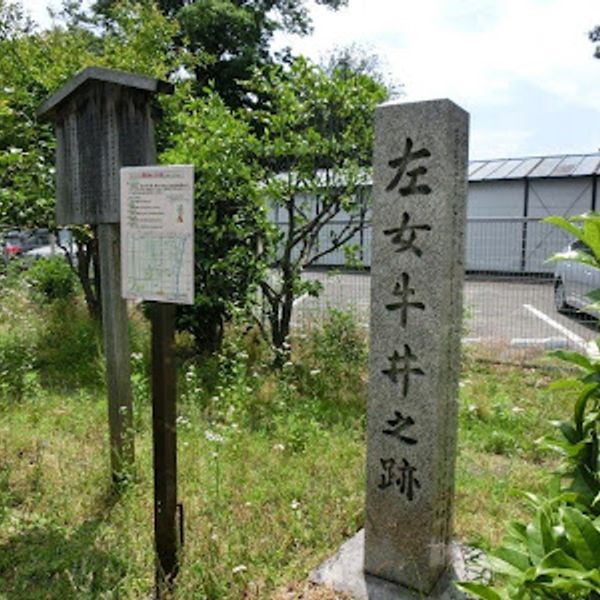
263 455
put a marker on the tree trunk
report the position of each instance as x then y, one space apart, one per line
87 260
281 318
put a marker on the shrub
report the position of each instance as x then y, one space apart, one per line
340 343
19 326
17 376
52 279
69 347
330 365
556 556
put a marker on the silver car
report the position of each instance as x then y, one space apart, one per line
573 280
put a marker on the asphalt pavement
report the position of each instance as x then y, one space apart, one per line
515 313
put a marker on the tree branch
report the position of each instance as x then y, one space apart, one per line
340 241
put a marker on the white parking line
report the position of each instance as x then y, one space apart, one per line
566 332
550 343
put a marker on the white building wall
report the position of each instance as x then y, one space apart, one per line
564 197
547 197
495 199
498 238
494 246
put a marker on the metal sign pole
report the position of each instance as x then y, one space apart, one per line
165 443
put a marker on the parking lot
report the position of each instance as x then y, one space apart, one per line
512 313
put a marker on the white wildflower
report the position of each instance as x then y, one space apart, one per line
239 569
211 436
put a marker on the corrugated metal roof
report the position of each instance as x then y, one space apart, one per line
566 165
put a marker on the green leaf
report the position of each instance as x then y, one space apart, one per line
535 543
514 556
580 405
584 537
569 580
546 535
479 590
499 565
518 530
575 358
564 384
560 559
566 225
569 432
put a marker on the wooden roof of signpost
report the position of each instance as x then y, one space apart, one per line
132 80
103 121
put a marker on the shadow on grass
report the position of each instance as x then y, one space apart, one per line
46 562
43 562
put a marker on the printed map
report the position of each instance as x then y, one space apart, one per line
157 235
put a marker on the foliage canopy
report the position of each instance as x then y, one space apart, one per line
289 135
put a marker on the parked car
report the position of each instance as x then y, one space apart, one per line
48 251
12 244
573 280
16 242
58 247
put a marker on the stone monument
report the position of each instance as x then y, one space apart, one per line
420 190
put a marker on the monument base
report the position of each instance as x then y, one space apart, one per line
344 573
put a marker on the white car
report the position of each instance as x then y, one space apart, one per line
573 280
49 251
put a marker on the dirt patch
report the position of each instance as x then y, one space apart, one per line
304 590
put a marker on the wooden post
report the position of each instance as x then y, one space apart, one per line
103 121
116 349
165 443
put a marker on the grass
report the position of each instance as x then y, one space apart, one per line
271 467
64 536
505 414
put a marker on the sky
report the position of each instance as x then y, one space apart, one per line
523 69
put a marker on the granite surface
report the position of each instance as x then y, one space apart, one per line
344 573
419 215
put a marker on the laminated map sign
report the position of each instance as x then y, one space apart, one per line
157 233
